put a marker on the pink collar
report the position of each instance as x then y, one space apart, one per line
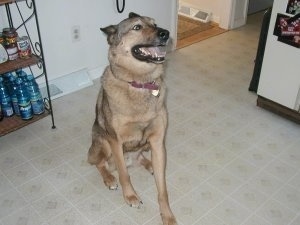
149 85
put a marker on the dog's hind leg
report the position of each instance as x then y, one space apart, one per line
98 155
142 160
109 180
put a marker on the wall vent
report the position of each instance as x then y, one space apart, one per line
186 9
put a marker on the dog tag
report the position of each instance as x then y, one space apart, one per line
155 93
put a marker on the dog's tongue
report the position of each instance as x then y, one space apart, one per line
155 52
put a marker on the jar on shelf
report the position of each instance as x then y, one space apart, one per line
1 39
24 47
12 51
10 35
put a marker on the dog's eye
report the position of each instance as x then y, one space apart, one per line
137 27
155 25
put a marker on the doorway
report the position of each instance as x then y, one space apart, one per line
225 15
259 5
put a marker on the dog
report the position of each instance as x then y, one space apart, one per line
131 115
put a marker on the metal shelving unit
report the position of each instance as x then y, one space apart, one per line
36 59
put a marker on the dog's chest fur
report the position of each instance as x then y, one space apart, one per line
130 112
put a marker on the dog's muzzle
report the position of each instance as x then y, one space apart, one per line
154 53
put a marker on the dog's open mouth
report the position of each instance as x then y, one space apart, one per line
154 54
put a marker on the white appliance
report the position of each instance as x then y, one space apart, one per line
280 74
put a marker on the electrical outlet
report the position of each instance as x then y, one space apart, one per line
75 32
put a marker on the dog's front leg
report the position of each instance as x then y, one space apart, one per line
158 156
130 196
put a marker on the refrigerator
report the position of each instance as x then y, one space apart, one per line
279 83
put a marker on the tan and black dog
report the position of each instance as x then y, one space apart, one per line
131 115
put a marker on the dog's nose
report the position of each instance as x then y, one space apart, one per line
163 34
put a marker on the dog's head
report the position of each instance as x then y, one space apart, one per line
138 37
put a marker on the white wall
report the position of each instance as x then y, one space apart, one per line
57 17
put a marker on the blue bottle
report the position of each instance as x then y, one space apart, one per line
35 95
23 75
6 81
13 95
7 109
23 100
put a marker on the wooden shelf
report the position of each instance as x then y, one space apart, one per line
10 124
2 2
12 65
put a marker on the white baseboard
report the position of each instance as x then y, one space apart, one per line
96 73
67 84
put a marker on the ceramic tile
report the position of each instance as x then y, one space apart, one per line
275 213
296 221
114 196
51 205
224 181
34 149
95 207
295 181
21 174
258 157
241 169
231 212
142 214
5 145
24 216
5 184
79 164
173 193
117 217
265 183
35 189
249 197
20 137
10 202
61 175
70 150
188 210
77 190
70 217
289 197
56 138
11 159
46 162
217 155
210 219
291 155
281 170
254 219
184 180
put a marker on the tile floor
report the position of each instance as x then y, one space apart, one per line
229 162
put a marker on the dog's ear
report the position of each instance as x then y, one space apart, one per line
110 31
132 15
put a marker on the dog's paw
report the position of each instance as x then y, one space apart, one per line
169 220
111 182
133 201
